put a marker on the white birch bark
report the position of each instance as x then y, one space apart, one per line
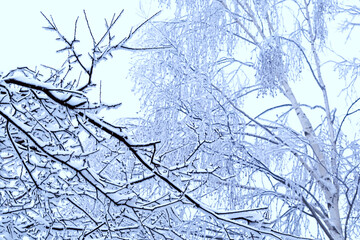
320 172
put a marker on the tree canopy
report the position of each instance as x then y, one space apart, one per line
260 94
248 131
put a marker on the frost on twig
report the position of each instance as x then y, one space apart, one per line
70 98
321 8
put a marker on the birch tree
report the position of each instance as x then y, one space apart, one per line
226 148
241 105
67 173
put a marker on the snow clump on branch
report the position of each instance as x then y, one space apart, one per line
321 8
270 67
